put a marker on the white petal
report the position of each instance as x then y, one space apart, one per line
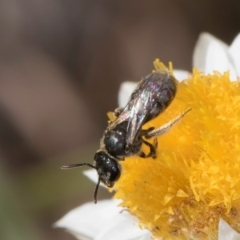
125 92
211 54
181 75
89 218
225 232
201 49
91 174
234 52
124 227
104 220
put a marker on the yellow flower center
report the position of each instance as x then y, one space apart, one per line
195 179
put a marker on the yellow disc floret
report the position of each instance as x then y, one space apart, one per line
195 179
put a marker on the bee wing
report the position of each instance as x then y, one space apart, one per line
137 114
127 113
124 116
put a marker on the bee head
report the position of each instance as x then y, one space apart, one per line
107 167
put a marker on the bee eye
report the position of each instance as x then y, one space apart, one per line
115 142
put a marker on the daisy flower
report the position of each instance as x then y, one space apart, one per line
191 190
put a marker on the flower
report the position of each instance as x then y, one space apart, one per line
194 183
195 180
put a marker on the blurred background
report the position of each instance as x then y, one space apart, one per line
61 64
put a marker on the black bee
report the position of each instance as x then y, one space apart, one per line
124 135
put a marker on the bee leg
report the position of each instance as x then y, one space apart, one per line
142 155
144 132
118 111
152 148
155 143
166 127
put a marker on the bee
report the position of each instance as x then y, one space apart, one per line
124 135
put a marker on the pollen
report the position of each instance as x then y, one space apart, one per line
195 179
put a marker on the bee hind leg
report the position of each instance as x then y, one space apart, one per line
149 133
145 132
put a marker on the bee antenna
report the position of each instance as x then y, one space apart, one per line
96 191
77 165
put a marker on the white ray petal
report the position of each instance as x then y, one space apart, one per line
234 52
211 54
181 75
91 174
125 92
104 220
124 227
225 232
